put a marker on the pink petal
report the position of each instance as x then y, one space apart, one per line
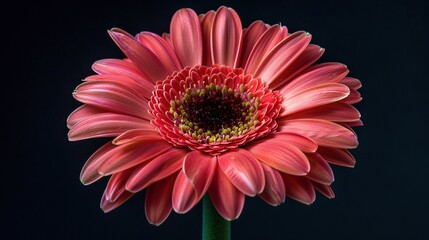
158 200
146 61
199 168
282 156
334 112
337 156
184 196
353 97
116 185
352 83
313 97
324 133
299 189
226 37
108 206
264 45
302 143
206 28
81 113
324 189
135 135
310 55
186 36
161 167
106 125
89 173
250 36
274 192
138 87
130 155
161 49
281 57
226 198
320 170
243 170
314 76
112 97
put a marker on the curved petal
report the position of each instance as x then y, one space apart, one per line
116 185
282 156
302 143
81 113
320 170
243 170
226 37
313 97
186 37
309 56
106 125
314 76
206 28
274 192
89 172
264 45
334 112
143 58
337 156
324 133
158 201
135 135
251 35
108 206
160 167
226 198
112 97
184 196
281 57
326 190
352 83
299 188
199 168
130 155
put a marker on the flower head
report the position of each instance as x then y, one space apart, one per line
214 108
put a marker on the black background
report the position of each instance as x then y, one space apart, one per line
49 48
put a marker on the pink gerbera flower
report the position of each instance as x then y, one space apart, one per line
214 108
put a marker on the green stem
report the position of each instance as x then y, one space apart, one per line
215 227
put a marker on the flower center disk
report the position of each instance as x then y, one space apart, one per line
212 108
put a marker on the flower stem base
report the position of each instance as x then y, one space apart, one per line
215 227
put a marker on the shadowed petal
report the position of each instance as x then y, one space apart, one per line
186 37
326 190
302 143
243 170
320 170
324 133
108 206
282 156
206 28
226 37
226 198
160 167
184 196
143 58
105 125
135 135
158 200
313 97
89 172
299 189
274 192
199 168
337 156
116 185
